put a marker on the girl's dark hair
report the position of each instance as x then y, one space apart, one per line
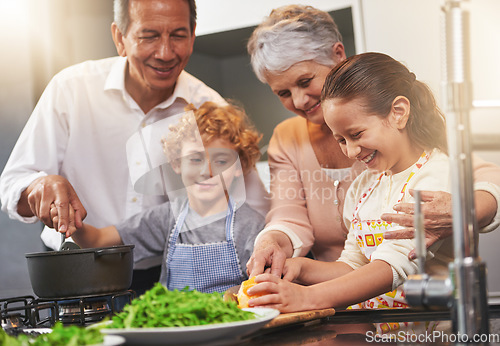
378 79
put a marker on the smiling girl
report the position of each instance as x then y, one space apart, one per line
381 116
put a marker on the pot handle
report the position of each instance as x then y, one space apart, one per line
110 251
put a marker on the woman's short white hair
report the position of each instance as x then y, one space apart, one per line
291 34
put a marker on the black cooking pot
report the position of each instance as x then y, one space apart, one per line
81 272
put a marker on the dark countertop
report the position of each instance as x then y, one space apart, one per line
354 327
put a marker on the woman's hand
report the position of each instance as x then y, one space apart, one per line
279 294
269 254
438 221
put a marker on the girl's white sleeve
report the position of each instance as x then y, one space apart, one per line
352 255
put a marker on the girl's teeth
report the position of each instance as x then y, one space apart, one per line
369 158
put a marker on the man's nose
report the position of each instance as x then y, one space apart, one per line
164 49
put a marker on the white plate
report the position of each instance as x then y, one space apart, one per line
217 332
113 340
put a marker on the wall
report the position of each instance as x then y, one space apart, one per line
222 15
15 106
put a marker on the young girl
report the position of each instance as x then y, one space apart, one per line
383 117
205 236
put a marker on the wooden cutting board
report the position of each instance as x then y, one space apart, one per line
286 318
299 317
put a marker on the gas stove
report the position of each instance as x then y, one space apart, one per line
24 314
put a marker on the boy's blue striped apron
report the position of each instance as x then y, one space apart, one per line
204 267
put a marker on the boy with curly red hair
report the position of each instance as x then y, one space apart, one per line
207 237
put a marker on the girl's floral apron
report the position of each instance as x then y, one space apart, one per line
369 235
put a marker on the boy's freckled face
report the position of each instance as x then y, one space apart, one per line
202 166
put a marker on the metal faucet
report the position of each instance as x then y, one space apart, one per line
464 291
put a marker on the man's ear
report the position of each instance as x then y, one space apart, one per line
400 112
118 40
193 37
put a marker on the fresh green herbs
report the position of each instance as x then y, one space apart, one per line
60 336
7 340
159 307
70 335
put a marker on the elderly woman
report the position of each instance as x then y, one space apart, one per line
292 51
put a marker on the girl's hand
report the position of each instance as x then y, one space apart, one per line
292 269
279 294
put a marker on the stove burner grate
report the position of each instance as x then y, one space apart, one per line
18 313
23 312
